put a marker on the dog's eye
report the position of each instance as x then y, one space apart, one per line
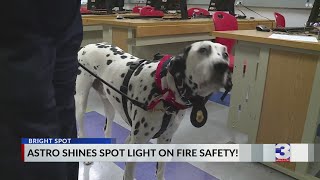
203 50
225 55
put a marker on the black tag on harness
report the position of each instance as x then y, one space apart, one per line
199 116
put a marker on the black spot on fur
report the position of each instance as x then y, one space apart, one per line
149 66
78 72
154 92
130 87
129 63
118 100
132 95
123 57
146 125
190 77
145 88
136 98
137 125
190 81
95 67
105 126
219 54
143 120
130 106
141 80
144 99
122 75
135 113
84 52
146 134
136 132
153 73
107 55
109 62
111 82
152 128
195 86
101 46
108 91
116 51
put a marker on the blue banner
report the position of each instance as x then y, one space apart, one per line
68 141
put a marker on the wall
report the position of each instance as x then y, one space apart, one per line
294 17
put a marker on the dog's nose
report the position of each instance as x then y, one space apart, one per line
225 55
221 67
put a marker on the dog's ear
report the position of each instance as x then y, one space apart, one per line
177 69
186 52
178 63
177 66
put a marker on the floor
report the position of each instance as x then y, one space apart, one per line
215 131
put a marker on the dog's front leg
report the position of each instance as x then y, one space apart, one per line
129 171
161 165
138 136
166 138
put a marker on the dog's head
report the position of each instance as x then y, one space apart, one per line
203 66
200 70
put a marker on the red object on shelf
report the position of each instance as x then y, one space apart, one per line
198 12
280 20
151 11
84 10
137 9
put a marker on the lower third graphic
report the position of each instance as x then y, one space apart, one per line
283 152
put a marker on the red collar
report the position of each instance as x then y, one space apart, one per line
167 94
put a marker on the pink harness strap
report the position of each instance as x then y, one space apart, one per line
167 94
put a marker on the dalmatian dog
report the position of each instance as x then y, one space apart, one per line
158 91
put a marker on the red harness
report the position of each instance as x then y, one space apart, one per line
167 94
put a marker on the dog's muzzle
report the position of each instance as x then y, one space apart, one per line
219 72
220 68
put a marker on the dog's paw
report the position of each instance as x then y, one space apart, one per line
127 178
87 163
159 178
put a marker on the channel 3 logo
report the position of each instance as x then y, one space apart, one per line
283 152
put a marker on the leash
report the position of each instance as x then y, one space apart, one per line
135 102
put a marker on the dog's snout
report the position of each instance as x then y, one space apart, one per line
221 67
225 55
